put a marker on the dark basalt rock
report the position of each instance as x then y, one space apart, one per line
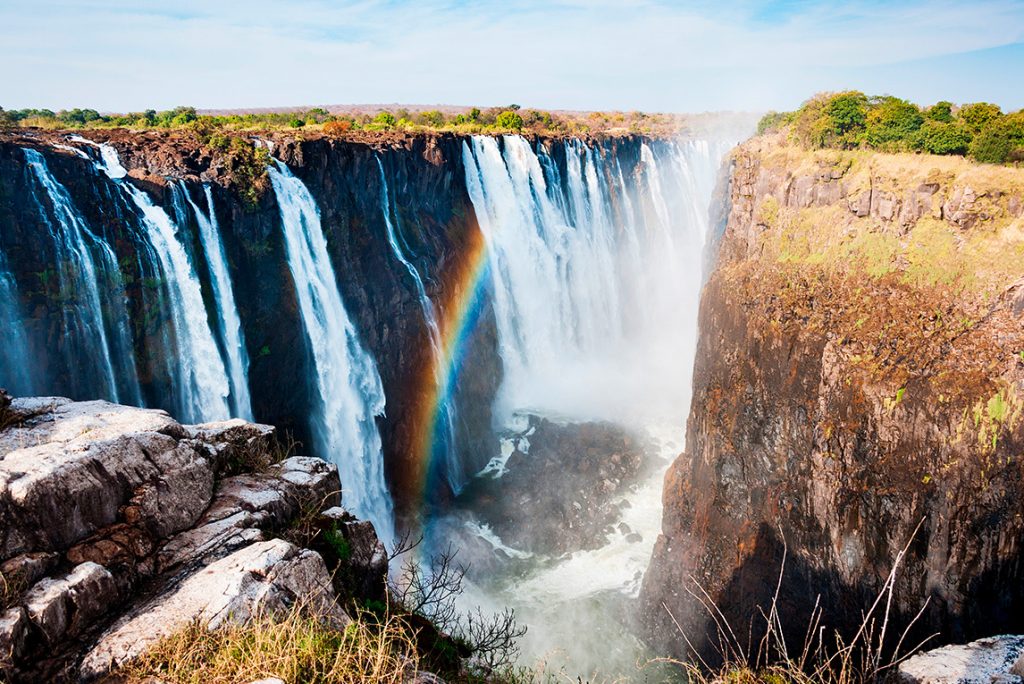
562 486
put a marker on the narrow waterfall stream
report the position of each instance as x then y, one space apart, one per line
228 320
98 346
349 387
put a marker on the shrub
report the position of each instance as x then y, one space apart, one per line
891 123
940 111
338 127
991 146
385 120
936 137
978 115
509 120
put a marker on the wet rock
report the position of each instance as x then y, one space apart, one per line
528 508
267 576
994 660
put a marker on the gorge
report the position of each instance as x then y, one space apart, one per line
496 341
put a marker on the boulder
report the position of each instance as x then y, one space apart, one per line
68 605
67 470
994 660
266 576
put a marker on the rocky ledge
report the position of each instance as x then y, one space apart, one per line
994 660
119 526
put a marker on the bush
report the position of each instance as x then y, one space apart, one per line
991 146
978 115
509 120
892 123
771 121
385 120
338 127
936 137
940 111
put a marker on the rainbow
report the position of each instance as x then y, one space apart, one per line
459 313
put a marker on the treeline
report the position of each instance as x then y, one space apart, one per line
475 120
851 120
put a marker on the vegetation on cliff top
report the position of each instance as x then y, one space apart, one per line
851 120
509 119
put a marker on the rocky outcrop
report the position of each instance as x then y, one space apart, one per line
994 660
857 393
561 487
121 526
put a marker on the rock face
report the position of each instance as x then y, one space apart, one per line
857 392
994 660
120 526
560 487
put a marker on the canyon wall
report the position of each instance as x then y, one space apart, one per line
857 392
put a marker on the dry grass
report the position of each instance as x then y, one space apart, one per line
296 647
826 657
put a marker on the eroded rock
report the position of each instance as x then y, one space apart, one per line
994 660
266 576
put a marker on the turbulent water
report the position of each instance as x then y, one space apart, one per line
596 273
349 388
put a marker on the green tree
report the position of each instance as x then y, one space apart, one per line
978 115
848 115
940 111
991 146
474 114
385 120
892 123
937 137
509 120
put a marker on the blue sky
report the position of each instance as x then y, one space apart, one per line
653 55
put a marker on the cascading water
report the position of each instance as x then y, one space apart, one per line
596 278
444 442
228 320
595 274
15 367
349 389
201 382
96 337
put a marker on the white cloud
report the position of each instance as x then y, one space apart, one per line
639 54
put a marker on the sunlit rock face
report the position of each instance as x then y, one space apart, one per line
856 394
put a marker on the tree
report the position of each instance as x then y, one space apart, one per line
474 114
848 114
936 137
991 146
940 111
509 120
892 123
6 119
978 115
385 120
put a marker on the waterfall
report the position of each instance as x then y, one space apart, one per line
15 367
201 385
349 390
96 337
228 320
444 442
596 272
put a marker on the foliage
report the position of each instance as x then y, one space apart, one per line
892 123
509 120
937 137
351 123
850 119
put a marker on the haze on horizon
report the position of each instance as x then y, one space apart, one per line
115 55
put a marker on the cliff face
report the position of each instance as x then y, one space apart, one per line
857 391
427 195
